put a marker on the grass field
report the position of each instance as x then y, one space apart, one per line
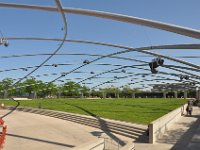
141 111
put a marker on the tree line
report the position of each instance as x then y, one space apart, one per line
33 88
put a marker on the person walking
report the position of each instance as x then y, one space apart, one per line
189 107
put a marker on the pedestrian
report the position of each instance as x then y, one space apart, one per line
189 107
187 110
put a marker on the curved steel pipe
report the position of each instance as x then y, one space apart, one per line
162 78
57 49
29 67
82 54
110 81
177 46
68 54
143 49
113 16
172 46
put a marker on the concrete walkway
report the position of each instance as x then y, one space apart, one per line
33 131
43 132
183 135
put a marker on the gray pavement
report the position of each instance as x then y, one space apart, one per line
33 131
183 135
42 132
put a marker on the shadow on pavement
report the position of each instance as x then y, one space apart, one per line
181 137
103 125
186 138
40 140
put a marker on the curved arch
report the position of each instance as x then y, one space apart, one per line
59 8
82 54
124 18
172 46
21 68
73 54
161 78
122 67
58 73
117 57
177 46
140 49
111 70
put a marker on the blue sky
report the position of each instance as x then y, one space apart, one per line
32 23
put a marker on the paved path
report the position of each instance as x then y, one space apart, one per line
27 131
43 132
183 135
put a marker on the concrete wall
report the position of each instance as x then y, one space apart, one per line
159 126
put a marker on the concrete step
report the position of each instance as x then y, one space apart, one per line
131 131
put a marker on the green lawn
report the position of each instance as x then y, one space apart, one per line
141 111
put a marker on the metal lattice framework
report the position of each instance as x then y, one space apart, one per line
118 74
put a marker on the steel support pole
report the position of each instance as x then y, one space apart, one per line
133 95
185 94
164 94
175 94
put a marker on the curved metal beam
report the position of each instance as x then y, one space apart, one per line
73 54
106 71
172 46
59 8
193 46
181 67
113 16
135 66
22 68
162 78
109 81
56 73
84 54
132 49
178 46
185 72
141 49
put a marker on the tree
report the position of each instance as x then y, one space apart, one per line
51 89
127 92
5 85
111 91
72 89
85 90
19 89
32 86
